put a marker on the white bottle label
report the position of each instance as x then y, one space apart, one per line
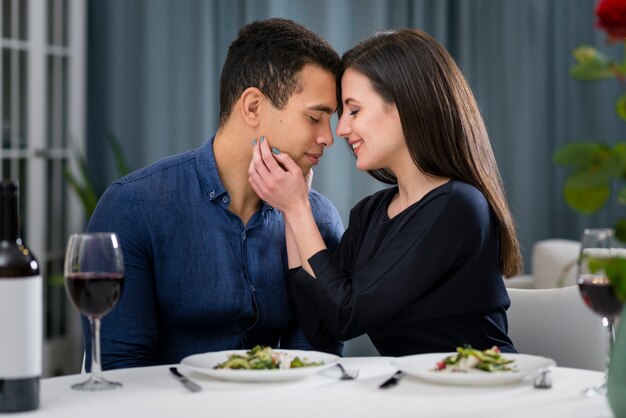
21 327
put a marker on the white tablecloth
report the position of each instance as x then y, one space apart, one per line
153 392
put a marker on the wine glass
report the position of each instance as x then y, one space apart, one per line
598 248
94 277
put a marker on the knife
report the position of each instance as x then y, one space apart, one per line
393 380
194 387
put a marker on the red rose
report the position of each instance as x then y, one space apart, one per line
612 18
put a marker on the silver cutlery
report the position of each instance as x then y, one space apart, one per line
543 380
192 386
393 380
347 374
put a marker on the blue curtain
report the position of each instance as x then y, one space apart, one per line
153 71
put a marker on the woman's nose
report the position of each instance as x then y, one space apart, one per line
343 126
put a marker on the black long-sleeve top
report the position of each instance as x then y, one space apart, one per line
426 280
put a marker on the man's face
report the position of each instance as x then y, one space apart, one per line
302 128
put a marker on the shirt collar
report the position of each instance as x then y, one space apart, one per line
207 171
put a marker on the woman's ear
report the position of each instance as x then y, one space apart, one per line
250 105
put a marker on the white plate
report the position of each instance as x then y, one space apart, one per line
423 365
204 363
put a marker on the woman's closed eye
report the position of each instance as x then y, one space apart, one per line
354 112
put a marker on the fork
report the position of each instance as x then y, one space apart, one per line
543 381
347 374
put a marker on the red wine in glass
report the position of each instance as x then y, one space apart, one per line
600 252
598 295
94 277
95 294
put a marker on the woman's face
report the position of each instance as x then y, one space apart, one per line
371 126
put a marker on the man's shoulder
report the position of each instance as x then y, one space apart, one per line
154 171
324 211
320 204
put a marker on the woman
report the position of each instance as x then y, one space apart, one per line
420 267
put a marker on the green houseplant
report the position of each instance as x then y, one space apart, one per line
596 166
82 183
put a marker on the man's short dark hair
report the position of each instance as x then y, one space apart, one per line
268 55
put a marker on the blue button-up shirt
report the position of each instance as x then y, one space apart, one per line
196 278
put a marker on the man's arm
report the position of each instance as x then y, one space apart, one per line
129 331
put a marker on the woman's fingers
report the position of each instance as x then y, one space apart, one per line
258 162
257 185
287 162
268 156
274 176
264 172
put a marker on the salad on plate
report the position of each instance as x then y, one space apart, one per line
468 358
265 358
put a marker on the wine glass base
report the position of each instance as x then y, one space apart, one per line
96 384
595 391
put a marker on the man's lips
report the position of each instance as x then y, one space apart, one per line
314 158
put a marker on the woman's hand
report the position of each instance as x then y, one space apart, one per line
276 178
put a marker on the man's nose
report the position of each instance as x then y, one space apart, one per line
325 138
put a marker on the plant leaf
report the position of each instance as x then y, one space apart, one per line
118 154
84 187
591 65
586 194
616 272
620 230
55 280
621 196
620 106
619 151
85 193
580 155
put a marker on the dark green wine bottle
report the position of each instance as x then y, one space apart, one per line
21 322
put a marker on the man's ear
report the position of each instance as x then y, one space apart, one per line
250 104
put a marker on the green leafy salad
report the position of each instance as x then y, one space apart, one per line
265 358
467 358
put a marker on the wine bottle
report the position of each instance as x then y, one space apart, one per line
21 321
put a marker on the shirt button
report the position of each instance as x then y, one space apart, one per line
225 199
212 194
243 235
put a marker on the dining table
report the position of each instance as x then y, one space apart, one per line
154 392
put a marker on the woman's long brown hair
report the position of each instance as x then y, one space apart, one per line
442 125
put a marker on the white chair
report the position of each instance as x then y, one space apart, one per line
553 264
555 323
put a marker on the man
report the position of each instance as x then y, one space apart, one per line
205 259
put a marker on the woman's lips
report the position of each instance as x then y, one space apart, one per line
356 146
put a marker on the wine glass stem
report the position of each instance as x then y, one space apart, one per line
608 325
96 368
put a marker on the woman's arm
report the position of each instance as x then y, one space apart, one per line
293 258
286 190
445 266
